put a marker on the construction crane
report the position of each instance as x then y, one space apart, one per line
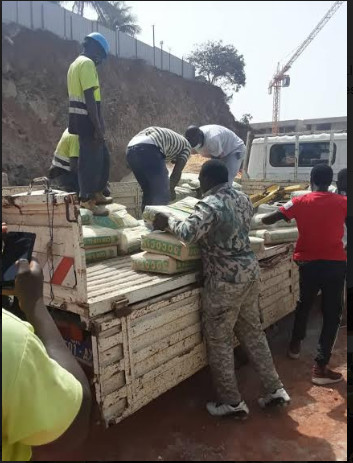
281 79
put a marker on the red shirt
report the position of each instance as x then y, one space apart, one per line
320 219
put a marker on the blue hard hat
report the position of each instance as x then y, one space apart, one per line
101 40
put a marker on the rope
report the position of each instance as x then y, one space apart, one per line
50 256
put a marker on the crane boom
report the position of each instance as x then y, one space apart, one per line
280 79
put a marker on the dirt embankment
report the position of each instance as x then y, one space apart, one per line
135 96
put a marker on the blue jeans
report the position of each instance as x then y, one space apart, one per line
148 165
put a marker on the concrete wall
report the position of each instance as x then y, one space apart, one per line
61 22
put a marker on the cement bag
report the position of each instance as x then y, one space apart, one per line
155 263
192 180
116 219
295 194
257 244
86 216
279 236
267 209
164 243
150 212
99 254
129 239
186 204
237 186
95 236
183 192
257 224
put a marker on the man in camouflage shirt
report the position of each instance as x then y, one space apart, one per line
220 224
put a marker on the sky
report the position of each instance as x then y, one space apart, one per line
264 33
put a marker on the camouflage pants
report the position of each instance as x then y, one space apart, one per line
230 309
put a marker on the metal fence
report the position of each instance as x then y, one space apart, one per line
50 17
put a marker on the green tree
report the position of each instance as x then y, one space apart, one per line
246 118
220 64
111 14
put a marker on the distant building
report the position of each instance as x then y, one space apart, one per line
304 125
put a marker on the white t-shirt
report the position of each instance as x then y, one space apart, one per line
219 142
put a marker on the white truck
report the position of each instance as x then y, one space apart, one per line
288 159
138 334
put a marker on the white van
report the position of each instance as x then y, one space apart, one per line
291 157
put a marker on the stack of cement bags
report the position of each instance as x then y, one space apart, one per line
189 186
166 254
106 237
280 232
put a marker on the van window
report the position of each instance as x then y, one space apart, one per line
310 154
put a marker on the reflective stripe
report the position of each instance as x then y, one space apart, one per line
77 99
61 161
78 111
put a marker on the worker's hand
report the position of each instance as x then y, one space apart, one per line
4 228
28 284
160 222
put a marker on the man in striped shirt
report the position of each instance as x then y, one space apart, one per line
147 155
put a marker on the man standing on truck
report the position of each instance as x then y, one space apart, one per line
217 142
220 225
321 257
86 121
147 154
46 396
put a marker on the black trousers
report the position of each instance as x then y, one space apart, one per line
329 277
93 167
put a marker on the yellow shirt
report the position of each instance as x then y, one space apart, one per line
40 399
68 147
82 75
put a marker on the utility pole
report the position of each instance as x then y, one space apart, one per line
154 48
169 57
161 43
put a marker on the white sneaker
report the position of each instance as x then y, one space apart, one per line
239 411
279 397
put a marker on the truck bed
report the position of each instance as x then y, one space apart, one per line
113 283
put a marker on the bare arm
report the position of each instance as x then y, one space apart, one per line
29 290
176 174
93 112
273 218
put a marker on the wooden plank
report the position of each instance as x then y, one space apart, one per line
116 410
153 379
159 321
111 356
139 292
115 383
164 356
168 380
166 331
166 307
149 351
142 308
109 371
280 286
278 310
109 342
266 301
